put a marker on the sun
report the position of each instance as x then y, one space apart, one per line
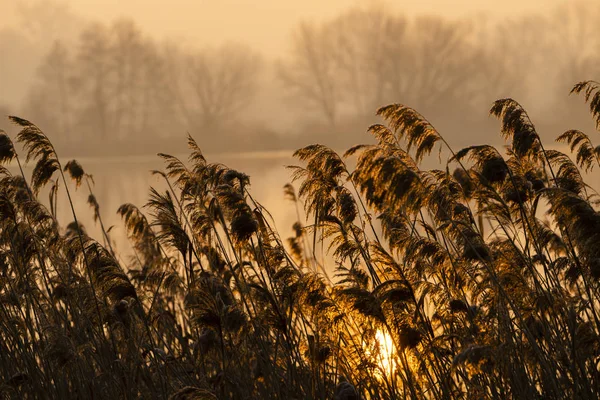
385 352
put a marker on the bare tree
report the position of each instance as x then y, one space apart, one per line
504 59
366 58
38 25
94 73
359 40
50 98
126 59
137 79
155 110
114 85
119 84
221 82
575 36
431 65
310 73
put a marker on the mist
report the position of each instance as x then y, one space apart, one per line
108 81
299 199
278 75
111 80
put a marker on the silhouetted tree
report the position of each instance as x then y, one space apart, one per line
221 82
359 39
310 73
111 87
432 65
93 69
51 96
138 76
574 41
367 57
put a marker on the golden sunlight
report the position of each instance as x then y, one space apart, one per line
385 352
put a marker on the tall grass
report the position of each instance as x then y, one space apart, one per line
481 277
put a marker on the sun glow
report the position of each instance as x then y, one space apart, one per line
385 351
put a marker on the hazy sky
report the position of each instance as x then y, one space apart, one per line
264 24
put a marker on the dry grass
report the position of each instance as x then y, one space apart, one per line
483 274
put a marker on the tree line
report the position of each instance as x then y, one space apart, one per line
116 83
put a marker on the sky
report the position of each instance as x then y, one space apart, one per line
263 24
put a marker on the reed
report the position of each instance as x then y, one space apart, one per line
479 279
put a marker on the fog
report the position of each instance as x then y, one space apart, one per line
122 78
463 54
307 199
261 24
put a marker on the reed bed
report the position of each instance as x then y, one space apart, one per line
475 280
